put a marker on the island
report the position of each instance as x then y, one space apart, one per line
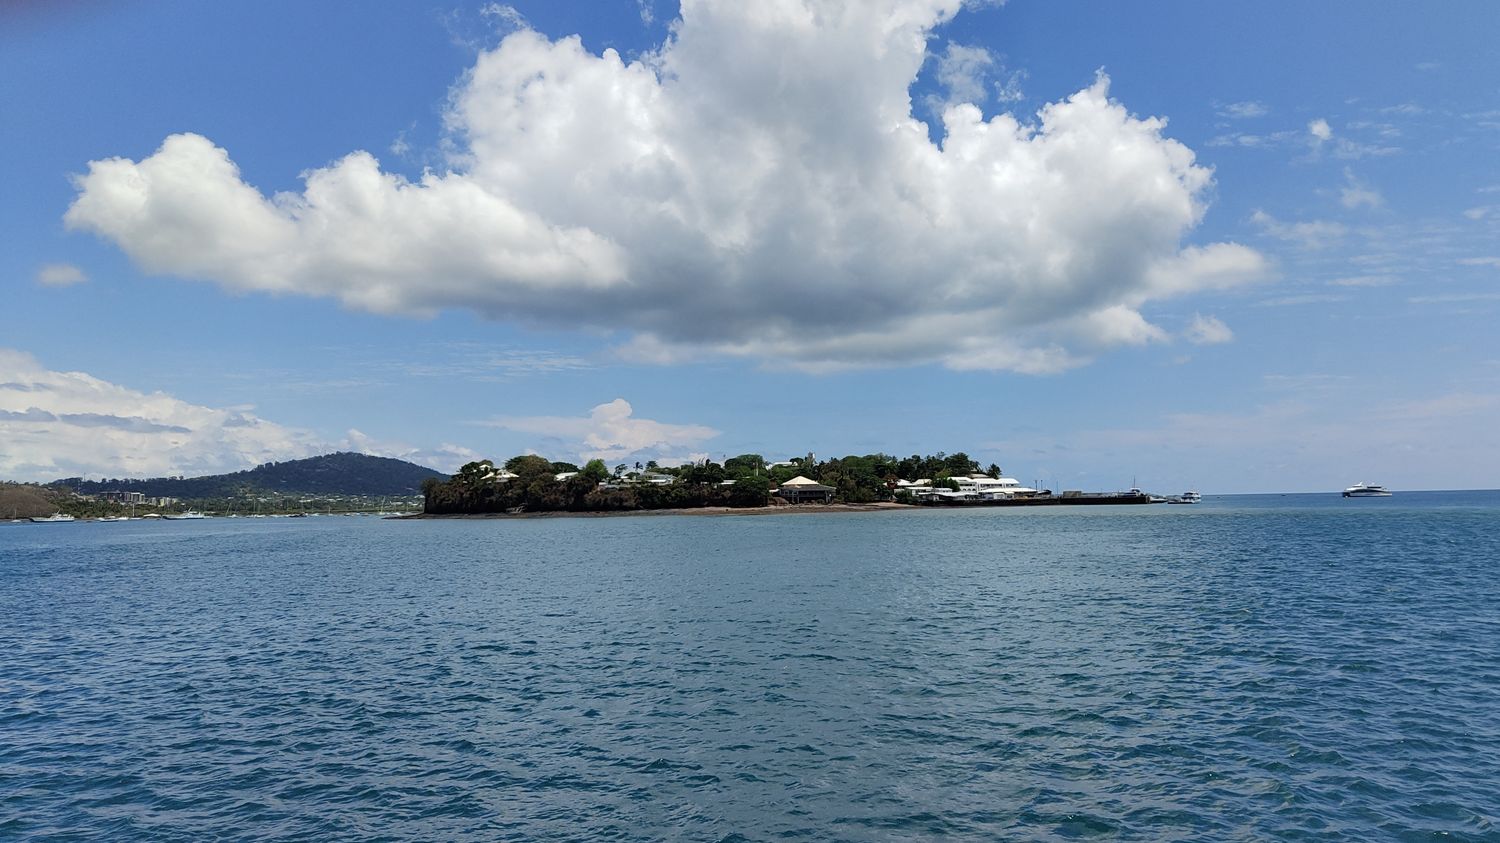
532 484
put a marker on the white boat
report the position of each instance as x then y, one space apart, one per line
1366 490
190 515
110 519
54 518
1187 497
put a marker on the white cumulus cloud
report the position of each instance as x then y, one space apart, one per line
758 186
612 432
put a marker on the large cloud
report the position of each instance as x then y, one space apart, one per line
758 186
64 424
70 424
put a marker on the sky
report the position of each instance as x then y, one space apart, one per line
1228 247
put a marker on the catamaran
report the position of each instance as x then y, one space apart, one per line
1366 490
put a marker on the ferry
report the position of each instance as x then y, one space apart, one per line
54 518
1366 490
190 515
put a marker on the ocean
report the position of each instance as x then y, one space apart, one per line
1297 667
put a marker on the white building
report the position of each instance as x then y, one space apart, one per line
975 487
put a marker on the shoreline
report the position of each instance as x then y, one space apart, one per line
789 509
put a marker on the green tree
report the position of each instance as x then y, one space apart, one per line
529 466
595 470
960 463
749 491
706 474
744 464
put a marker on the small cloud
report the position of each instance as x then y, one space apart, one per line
1008 87
400 146
1454 298
1316 382
962 71
60 275
1244 110
1428 66
1356 193
1316 234
1479 212
505 15
612 432
1320 130
1484 261
479 362
648 14
1363 281
445 457
1292 301
1208 330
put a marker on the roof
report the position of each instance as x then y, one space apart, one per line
802 484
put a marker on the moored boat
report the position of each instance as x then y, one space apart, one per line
190 515
54 518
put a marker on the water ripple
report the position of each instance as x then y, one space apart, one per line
1247 669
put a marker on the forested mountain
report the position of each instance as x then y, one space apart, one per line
331 474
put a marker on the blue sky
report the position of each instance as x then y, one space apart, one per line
751 229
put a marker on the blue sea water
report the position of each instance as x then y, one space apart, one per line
1272 667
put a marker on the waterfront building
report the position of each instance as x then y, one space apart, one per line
800 489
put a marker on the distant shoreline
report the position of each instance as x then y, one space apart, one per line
790 509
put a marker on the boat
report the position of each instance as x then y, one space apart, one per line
110 519
1187 497
190 515
54 518
1366 490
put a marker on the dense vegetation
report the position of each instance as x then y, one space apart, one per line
331 474
742 481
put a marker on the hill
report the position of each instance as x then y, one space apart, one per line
331 474
18 500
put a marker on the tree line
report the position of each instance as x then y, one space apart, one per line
746 480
